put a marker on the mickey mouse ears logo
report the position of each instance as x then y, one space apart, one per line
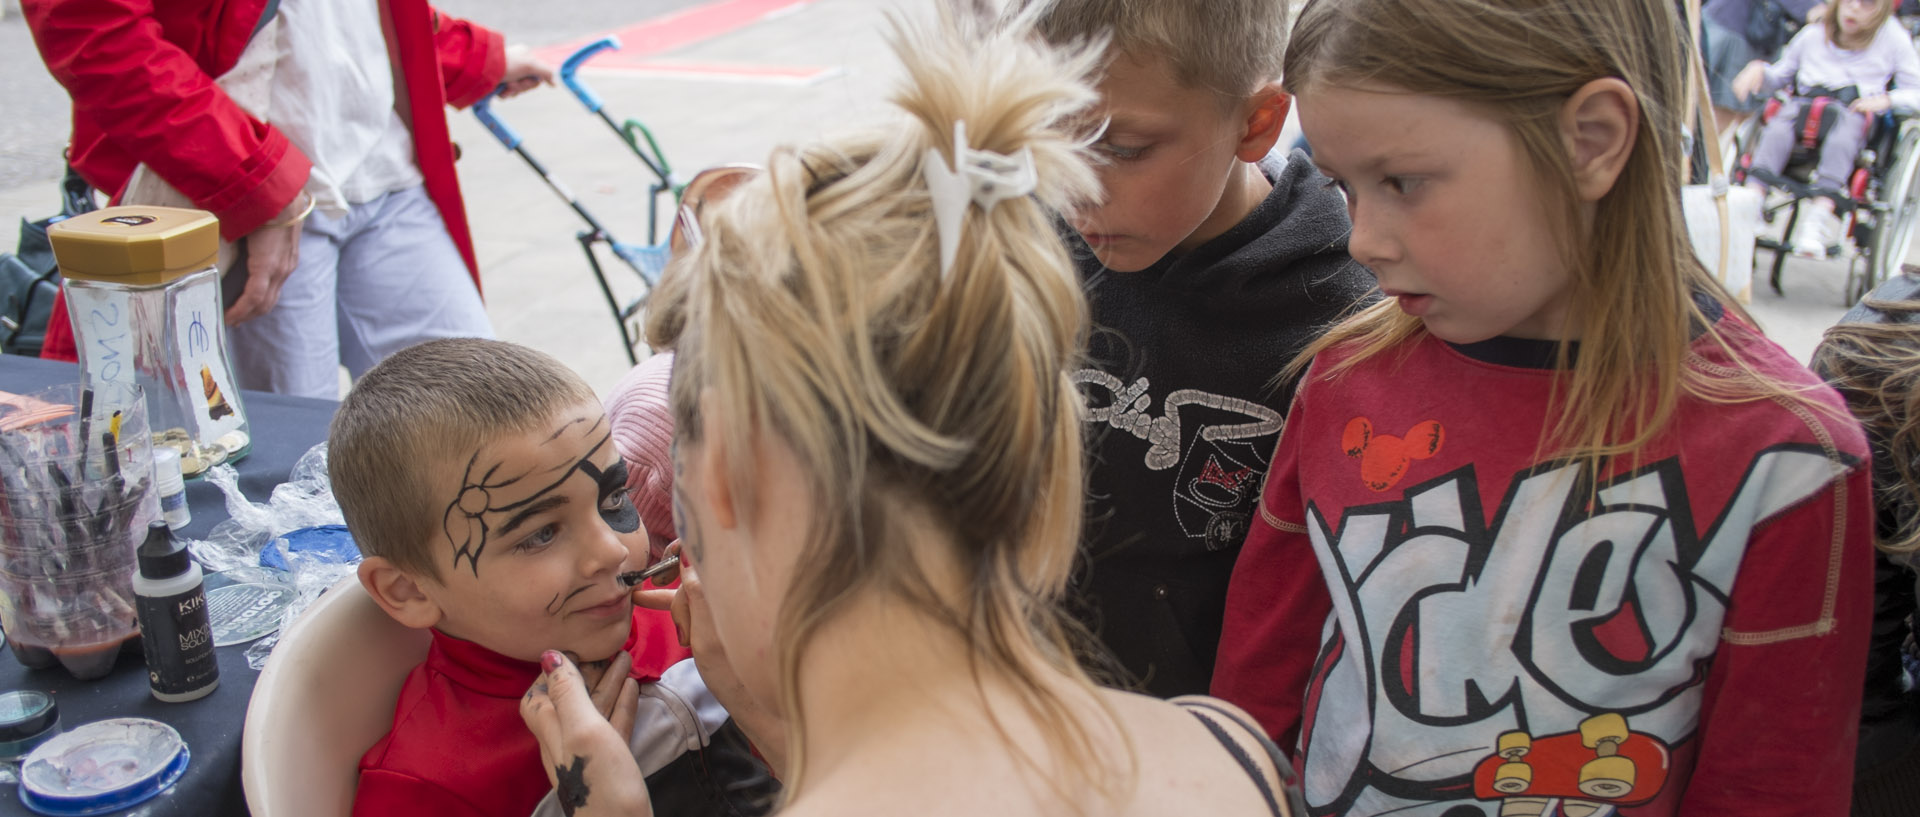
1384 458
129 221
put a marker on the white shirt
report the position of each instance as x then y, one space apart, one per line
333 97
1811 60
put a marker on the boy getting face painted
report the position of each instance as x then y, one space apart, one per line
483 484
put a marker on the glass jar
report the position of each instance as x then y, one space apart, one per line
144 296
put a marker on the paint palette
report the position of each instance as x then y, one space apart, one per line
101 767
28 718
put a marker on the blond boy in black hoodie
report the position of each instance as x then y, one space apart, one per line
1209 264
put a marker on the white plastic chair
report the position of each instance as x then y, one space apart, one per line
326 696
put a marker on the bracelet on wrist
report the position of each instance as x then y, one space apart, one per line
288 222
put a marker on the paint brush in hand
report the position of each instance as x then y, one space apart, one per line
633 578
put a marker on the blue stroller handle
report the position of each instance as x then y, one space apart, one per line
483 110
571 68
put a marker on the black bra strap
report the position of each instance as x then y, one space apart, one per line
1196 703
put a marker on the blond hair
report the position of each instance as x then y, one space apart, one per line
425 406
816 310
1882 11
1229 47
1876 367
1633 273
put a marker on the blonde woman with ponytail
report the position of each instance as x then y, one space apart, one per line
878 475
1553 529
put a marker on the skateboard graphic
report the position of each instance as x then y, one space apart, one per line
1587 773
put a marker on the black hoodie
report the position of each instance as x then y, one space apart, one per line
1184 410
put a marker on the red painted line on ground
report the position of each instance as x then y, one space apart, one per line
677 30
714 70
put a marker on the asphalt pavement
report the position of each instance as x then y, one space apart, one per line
716 81
33 117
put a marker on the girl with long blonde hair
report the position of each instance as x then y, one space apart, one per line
878 475
1552 528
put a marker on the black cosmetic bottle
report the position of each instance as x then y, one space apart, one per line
174 628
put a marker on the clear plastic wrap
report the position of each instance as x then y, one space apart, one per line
312 574
303 501
234 548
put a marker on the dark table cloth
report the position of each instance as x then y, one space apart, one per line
283 428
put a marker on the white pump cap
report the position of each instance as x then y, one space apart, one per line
171 486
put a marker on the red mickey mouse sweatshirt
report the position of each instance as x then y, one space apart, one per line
1436 617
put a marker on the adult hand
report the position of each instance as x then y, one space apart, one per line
585 754
661 597
1872 104
273 250
1748 80
1817 13
525 72
694 619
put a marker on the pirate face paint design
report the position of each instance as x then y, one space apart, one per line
536 530
466 519
616 505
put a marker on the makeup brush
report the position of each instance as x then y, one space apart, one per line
633 578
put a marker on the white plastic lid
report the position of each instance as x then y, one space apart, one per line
101 767
166 471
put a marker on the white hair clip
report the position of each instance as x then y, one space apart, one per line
982 177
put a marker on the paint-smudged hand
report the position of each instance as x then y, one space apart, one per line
585 752
570 786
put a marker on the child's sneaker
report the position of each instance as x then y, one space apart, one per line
1814 232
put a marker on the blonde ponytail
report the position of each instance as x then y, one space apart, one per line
817 309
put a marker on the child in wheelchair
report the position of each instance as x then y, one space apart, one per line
1840 71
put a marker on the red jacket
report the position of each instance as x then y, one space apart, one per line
141 74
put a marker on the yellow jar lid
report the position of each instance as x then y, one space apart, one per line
135 245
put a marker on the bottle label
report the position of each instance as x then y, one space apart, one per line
200 340
174 508
178 639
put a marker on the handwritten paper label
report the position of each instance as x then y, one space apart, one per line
106 334
199 337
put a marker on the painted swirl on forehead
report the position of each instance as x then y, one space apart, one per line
566 425
465 520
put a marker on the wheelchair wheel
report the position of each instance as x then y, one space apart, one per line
1894 238
1860 279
